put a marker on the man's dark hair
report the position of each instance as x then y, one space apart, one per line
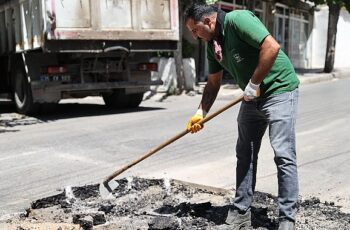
198 11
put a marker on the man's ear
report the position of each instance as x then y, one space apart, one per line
206 21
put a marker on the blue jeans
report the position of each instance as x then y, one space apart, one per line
278 112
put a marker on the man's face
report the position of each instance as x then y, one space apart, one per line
204 30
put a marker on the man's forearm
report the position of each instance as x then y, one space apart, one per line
209 95
211 90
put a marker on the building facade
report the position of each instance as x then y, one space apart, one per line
290 25
299 29
318 39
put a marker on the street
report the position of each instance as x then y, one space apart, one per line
82 142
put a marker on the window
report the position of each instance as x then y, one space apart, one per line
291 32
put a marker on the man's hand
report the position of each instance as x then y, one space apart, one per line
192 125
251 91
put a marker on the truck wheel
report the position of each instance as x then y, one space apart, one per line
135 100
119 100
23 94
115 100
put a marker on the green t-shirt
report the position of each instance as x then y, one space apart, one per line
243 33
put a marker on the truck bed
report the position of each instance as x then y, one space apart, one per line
35 23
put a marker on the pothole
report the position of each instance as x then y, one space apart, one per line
140 203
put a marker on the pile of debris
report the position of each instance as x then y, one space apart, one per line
10 120
163 204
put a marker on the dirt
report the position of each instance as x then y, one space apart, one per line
10 120
140 203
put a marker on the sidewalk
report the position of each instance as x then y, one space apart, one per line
310 76
305 77
228 88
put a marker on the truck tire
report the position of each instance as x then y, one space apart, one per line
119 100
135 100
115 100
23 94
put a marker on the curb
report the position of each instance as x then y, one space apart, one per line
321 77
307 78
230 89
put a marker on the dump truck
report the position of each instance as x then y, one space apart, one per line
56 49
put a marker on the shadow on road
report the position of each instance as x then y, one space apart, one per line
74 110
7 107
9 117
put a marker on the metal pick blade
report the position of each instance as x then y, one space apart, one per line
106 189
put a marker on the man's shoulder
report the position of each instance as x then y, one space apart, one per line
237 14
234 13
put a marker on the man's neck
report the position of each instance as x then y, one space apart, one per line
219 21
217 29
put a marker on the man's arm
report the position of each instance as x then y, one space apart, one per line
211 90
269 49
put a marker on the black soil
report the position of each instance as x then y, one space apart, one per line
157 204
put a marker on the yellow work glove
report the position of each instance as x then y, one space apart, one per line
192 125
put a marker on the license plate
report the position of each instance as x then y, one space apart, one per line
55 78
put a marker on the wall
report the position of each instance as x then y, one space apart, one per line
319 39
342 55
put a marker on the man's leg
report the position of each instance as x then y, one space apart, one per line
251 128
281 111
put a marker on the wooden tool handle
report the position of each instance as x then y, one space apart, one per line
217 112
171 140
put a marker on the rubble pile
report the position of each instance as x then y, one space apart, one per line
140 203
10 120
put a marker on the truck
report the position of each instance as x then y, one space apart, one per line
56 49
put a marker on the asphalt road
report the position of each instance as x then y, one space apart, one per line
83 142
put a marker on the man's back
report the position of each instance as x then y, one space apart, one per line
243 34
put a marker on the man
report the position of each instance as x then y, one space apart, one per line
240 43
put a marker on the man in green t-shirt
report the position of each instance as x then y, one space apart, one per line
239 43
